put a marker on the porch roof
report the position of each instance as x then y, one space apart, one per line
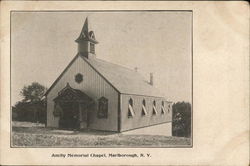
70 94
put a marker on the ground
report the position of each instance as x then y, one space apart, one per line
26 134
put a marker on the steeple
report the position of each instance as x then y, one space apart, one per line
86 41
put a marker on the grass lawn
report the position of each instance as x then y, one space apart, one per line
36 135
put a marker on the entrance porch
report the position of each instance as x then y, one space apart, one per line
72 107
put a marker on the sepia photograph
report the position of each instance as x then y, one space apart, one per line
99 79
124 83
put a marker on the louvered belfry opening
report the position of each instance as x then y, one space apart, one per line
71 106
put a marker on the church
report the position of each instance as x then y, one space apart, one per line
95 94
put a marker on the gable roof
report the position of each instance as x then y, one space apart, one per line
124 80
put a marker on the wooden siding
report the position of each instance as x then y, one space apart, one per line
139 121
95 87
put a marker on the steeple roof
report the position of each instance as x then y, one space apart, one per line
85 34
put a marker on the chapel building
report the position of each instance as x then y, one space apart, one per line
95 94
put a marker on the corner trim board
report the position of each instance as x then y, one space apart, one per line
119 113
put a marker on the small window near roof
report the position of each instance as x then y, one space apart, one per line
102 108
130 109
144 111
154 108
92 48
79 78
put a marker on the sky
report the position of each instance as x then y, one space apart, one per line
43 44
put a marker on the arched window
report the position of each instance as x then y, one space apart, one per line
162 108
130 102
154 108
92 35
130 109
102 108
144 111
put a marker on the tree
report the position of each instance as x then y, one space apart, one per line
181 119
33 92
32 108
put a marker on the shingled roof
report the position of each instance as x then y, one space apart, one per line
125 80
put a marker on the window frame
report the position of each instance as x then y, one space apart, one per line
154 108
144 110
131 112
102 112
163 110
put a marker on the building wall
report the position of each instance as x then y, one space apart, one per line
139 121
95 87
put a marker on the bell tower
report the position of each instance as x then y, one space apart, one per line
86 41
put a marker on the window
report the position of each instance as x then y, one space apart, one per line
78 78
162 103
162 108
92 35
143 111
92 48
130 109
102 108
130 102
154 108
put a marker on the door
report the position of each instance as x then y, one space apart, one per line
70 116
83 116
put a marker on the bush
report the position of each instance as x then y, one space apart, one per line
181 126
29 111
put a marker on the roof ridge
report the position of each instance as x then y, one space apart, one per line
125 67
117 65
